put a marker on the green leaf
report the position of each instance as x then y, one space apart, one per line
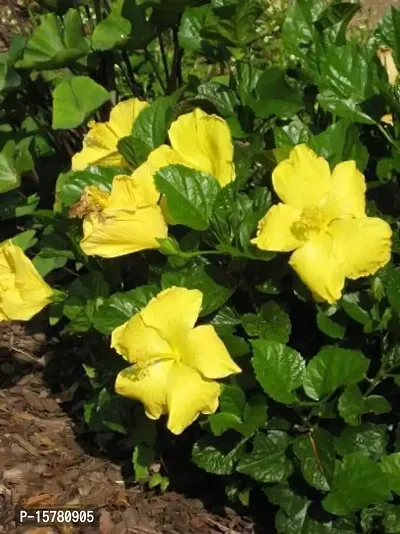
151 126
216 456
25 239
377 405
190 195
391 282
351 405
212 281
358 483
330 327
350 303
390 465
271 323
70 185
75 99
112 32
316 453
223 98
120 307
367 438
388 31
284 496
274 96
278 369
340 142
9 177
232 400
237 346
85 295
302 523
54 45
142 458
391 519
344 107
331 369
267 462
192 22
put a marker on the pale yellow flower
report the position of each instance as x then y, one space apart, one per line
175 363
323 220
23 292
385 56
126 220
100 143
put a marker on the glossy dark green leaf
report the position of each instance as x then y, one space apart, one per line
190 195
75 99
332 368
316 453
279 369
120 307
272 322
223 98
351 405
216 456
274 96
267 461
329 326
193 20
390 465
351 305
212 281
367 438
356 472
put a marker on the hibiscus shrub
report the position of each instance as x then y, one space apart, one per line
225 233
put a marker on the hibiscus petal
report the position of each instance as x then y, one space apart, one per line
205 143
23 292
274 229
188 395
303 179
365 244
319 268
96 156
124 114
147 384
347 195
116 233
204 351
173 312
129 193
137 342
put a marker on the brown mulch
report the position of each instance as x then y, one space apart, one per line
43 464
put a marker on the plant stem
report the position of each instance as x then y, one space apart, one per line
150 58
136 89
163 56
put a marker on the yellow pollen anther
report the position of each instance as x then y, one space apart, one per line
311 222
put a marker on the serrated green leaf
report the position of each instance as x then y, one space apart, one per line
367 438
142 457
351 405
267 461
316 453
9 176
377 405
272 322
216 456
357 483
75 99
333 368
390 465
330 327
279 369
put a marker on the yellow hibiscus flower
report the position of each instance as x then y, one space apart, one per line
322 219
175 363
100 143
23 292
125 220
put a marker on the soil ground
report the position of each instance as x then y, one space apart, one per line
46 458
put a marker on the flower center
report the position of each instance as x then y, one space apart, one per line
92 200
312 221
